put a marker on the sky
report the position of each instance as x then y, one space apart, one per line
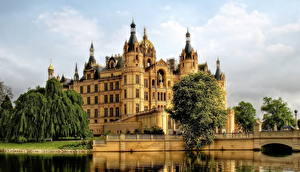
257 42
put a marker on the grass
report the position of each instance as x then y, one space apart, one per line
54 145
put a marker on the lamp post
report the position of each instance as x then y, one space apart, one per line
296 119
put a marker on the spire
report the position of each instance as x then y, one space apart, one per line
145 34
92 60
76 75
188 47
218 70
132 38
92 49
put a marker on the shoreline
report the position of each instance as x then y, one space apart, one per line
47 151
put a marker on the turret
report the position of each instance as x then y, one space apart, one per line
92 60
50 71
148 50
188 58
219 75
132 43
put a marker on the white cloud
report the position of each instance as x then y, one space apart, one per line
71 24
256 60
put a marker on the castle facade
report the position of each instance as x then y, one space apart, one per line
129 94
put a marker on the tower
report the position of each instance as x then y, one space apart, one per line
148 50
133 75
50 71
188 58
220 77
76 75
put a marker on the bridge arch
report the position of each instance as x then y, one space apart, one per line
277 149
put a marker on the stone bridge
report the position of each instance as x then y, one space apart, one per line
253 141
256 140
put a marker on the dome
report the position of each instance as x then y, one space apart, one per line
145 42
51 67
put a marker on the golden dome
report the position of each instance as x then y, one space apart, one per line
145 42
51 67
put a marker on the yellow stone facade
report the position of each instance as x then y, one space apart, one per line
132 90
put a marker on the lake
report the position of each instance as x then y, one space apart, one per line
243 161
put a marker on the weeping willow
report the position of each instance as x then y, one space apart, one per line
47 113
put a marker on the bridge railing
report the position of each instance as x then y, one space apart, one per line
141 137
234 135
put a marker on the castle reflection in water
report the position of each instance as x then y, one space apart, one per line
246 161
194 161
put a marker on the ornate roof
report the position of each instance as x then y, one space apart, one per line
51 67
146 43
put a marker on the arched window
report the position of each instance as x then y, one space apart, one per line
153 82
169 83
148 62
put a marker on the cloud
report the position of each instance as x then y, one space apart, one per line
257 60
71 24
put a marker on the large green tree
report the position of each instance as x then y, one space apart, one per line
245 116
276 111
6 110
49 112
199 107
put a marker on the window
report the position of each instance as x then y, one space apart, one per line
169 83
111 86
88 113
146 108
158 96
164 96
96 121
125 79
125 94
88 76
96 99
137 93
105 112
88 89
105 86
117 112
111 111
105 120
153 95
117 98
137 108
88 100
153 82
81 89
146 83
111 98
125 109
117 85
96 88
96 113
137 79
146 95
105 99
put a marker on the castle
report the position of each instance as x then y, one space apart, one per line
131 91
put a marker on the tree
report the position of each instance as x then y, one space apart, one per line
245 116
4 91
276 111
199 107
48 113
6 110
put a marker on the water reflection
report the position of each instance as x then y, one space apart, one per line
242 161
194 161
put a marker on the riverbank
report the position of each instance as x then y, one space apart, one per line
74 146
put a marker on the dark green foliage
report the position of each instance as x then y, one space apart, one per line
41 114
276 111
199 107
154 130
245 116
6 110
